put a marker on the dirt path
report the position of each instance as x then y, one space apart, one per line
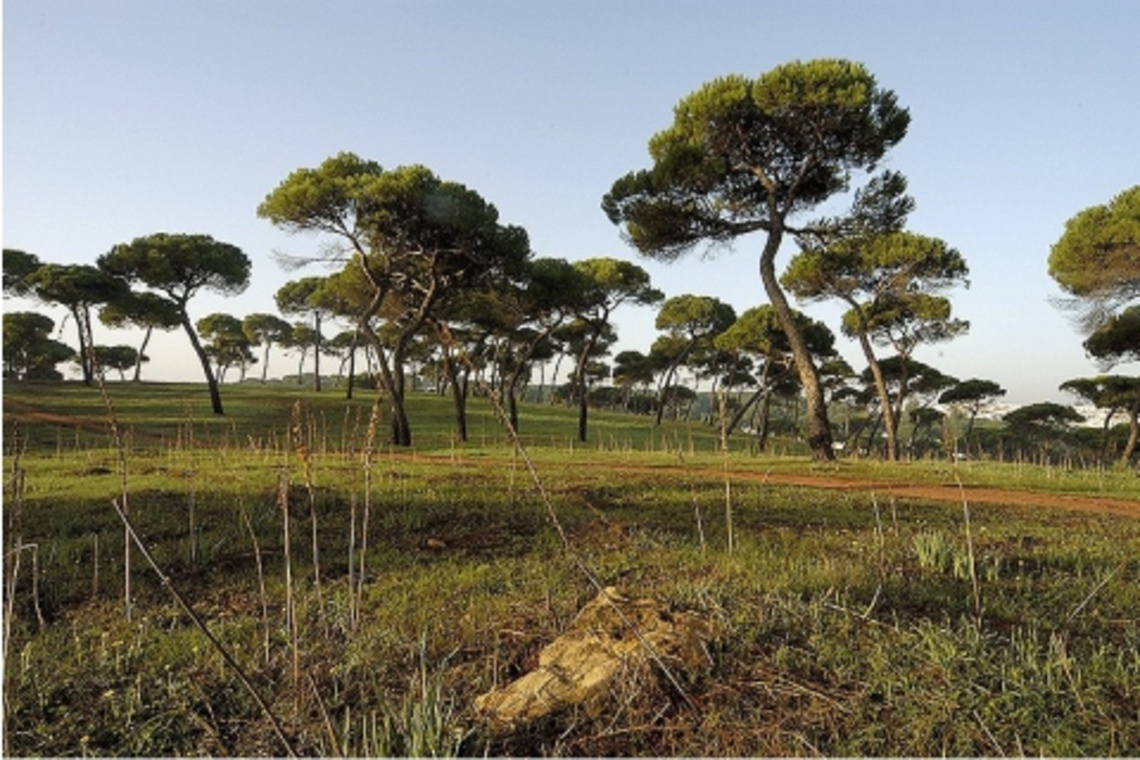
927 491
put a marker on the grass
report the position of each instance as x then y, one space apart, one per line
846 624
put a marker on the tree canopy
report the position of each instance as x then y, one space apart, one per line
411 239
178 266
18 267
973 394
30 353
693 322
77 287
606 284
747 155
141 309
1098 256
888 277
265 330
1117 340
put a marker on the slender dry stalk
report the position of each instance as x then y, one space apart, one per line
95 569
303 453
13 575
880 537
290 601
333 740
697 511
369 454
260 583
36 584
970 551
731 536
193 516
205 630
1096 589
722 414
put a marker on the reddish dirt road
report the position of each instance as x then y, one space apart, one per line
927 491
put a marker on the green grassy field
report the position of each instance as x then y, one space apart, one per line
413 581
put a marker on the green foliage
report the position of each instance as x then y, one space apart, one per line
749 155
140 309
758 331
29 351
1044 415
18 267
77 287
118 358
974 392
227 342
1117 339
409 241
1098 256
741 149
180 265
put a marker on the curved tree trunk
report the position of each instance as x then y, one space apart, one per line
401 428
818 426
401 432
211 381
139 359
743 410
890 421
667 383
1133 434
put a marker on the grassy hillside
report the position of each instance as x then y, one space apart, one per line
847 623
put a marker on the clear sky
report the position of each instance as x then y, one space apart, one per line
123 118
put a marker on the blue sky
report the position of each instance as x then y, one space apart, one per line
127 117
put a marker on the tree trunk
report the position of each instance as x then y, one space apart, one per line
580 387
351 364
317 353
401 432
743 410
211 381
668 381
762 436
401 428
1104 433
1133 434
890 422
458 395
818 427
139 358
970 424
86 352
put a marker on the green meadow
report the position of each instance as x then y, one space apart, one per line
307 589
